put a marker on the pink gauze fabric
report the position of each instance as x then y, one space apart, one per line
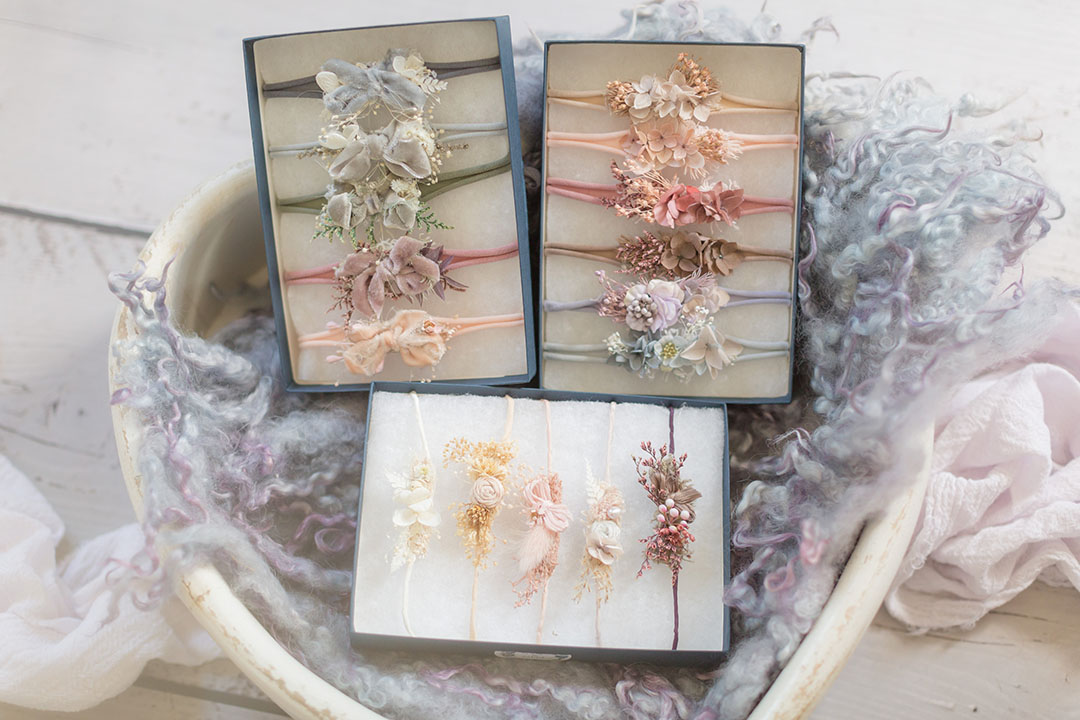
1002 507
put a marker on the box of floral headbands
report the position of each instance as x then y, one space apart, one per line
542 524
393 202
670 218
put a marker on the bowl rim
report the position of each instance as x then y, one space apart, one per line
855 600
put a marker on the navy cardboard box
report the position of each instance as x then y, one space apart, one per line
408 421
463 193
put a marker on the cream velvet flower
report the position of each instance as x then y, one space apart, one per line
602 541
486 491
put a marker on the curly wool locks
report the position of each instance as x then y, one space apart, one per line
909 230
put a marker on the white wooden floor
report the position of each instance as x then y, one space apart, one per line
111 111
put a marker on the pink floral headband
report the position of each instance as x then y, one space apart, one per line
670 255
688 92
655 199
418 337
406 268
655 145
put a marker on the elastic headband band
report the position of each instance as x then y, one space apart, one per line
312 203
451 132
653 198
688 92
673 255
308 87
656 146
418 337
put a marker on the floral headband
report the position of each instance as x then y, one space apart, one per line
688 92
655 145
403 268
658 305
487 469
415 515
655 199
418 337
394 202
603 530
670 255
660 473
402 82
548 518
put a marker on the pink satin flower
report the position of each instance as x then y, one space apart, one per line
555 516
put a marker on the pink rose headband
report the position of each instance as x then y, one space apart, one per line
670 255
689 92
406 268
653 198
548 518
657 145
416 336
487 469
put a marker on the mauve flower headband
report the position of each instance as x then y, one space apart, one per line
603 531
406 267
655 199
418 337
655 145
688 92
657 305
415 515
548 518
660 473
487 469
670 255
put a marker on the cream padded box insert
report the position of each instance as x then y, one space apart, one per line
761 72
638 616
482 213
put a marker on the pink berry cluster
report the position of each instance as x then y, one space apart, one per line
659 474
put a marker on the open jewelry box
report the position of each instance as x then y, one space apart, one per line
674 170
484 510
393 203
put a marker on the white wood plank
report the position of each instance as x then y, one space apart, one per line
1020 661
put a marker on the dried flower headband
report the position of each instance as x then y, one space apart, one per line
655 199
405 267
415 516
688 92
418 337
670 255
682 352
603 531
487 469
394 203
401 81
656 145
657 305
660 473
548 517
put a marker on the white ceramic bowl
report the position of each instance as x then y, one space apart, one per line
216 237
